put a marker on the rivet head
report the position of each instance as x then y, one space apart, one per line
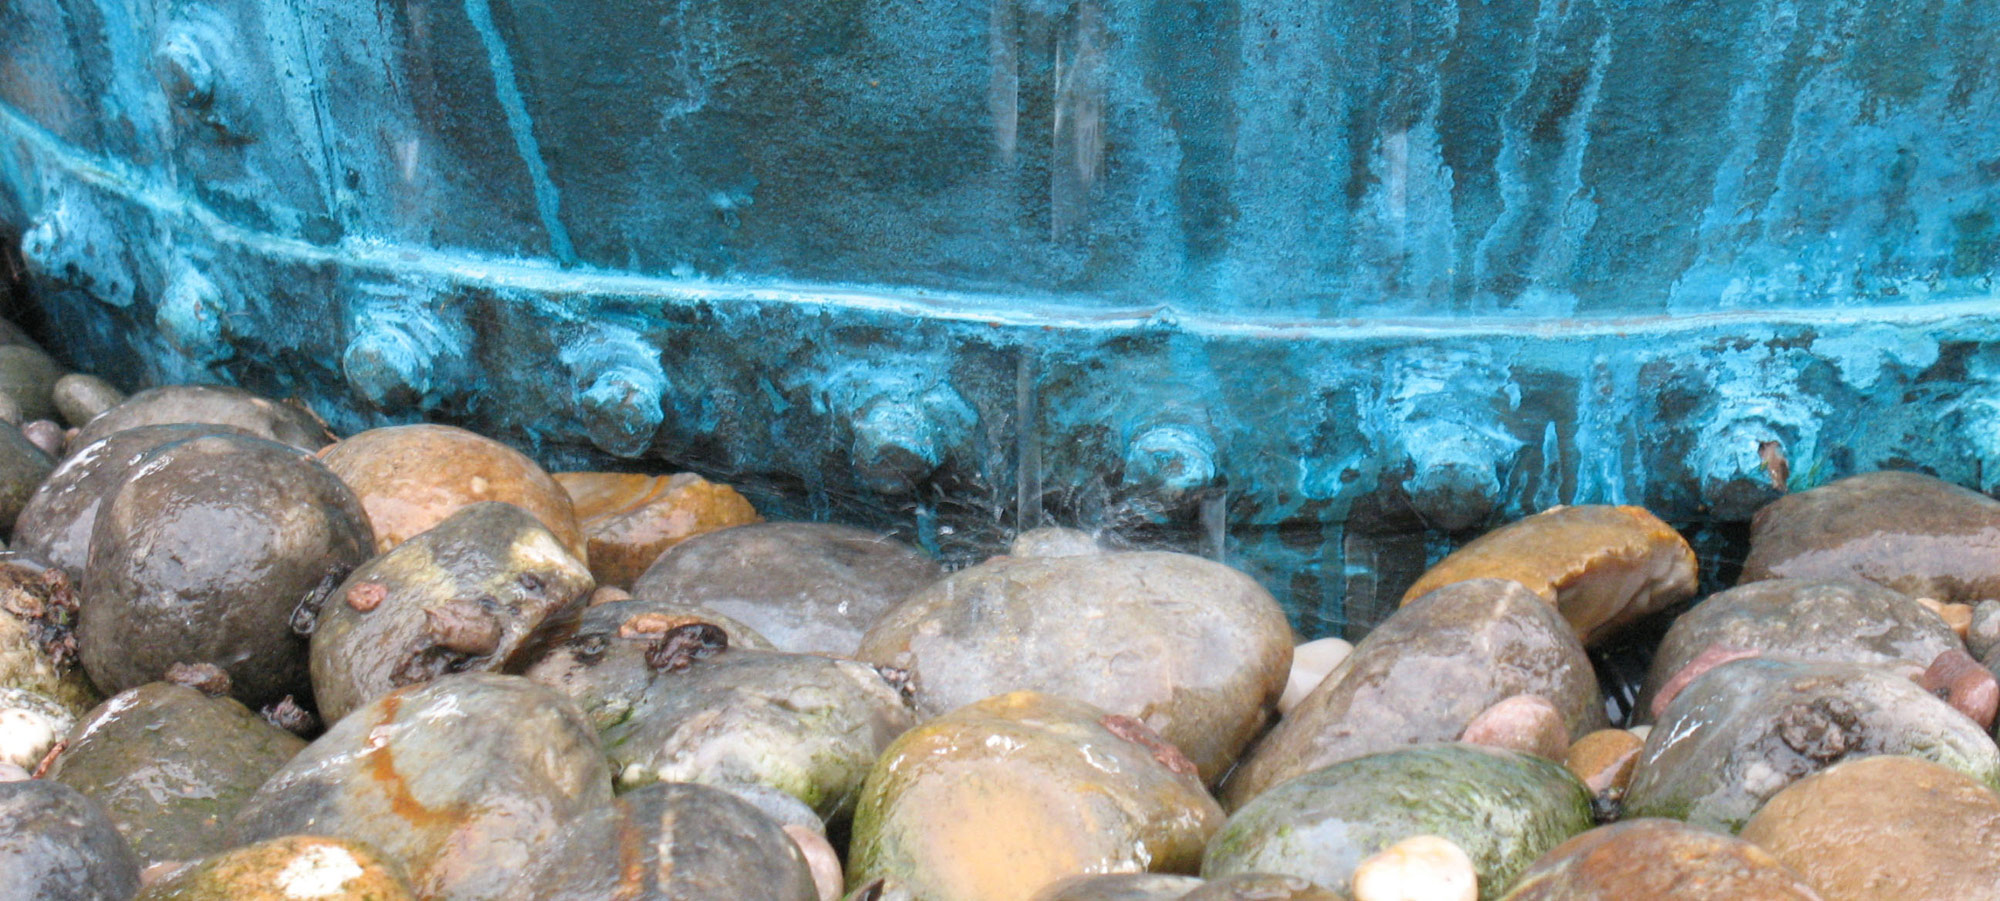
1171 459
387 368
622 409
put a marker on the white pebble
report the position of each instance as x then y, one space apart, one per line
26 736
1310 664
1419 868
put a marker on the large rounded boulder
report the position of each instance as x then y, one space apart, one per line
1196 650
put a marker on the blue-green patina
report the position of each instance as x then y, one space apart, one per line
1287 280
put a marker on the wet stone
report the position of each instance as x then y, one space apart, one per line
203 552
211 404
46 435
294 868
1197 651
1747 729
80 398
1656 858
30 726
1486 639
461 782
28 376
807 725
412 477
669 843
1529 724
1054 541
1311 662
1835 620
1604 760
1119 887
602 665
1601 566
171 766
809 588
1916 534
1056 793
476 593
1886 829
1982 634
1501 808
629 520
56 523
23 467
57 845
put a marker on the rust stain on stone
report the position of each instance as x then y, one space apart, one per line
382 767
1139 733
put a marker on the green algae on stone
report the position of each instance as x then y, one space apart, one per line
171 766
1504 809
806 725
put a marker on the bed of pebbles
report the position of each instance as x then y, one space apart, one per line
242 659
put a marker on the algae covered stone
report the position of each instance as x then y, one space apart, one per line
806 725
461 782
1504 809
171 765
1423 675
477 592
1196 650
1747 729
293 868
995 800
669 843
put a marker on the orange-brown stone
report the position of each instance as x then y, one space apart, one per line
630 519
412 477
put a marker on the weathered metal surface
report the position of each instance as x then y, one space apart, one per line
1306 284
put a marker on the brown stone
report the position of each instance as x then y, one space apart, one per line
412 477
1886 828
1530 724
1601 566
1916 534
1604 760
1656 858
285 869
630 519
